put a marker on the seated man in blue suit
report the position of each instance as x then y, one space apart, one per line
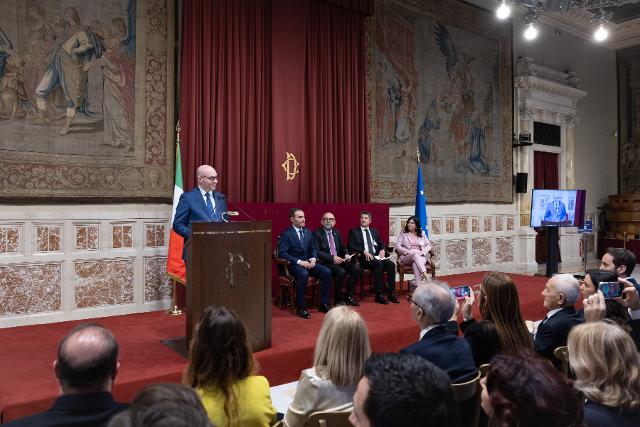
202 204
298 246
432 306
556 211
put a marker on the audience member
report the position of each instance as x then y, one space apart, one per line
403 390
86 368
620 261
341 351
367 243
164 405
560 295
414 247
524 390
606 364
220 368
589 286
432 306
297 245
333 254
500 308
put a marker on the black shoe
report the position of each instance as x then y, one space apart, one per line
324 308
393 299
350 301
381 300
302 312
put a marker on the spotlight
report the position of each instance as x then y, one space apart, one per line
601 34
504 11
531 32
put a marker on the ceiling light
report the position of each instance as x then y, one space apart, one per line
504 11
531 32
601 34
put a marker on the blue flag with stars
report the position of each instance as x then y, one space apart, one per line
421 203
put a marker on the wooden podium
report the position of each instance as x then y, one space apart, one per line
229 263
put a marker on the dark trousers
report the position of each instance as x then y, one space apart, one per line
339 273
302 275
378 268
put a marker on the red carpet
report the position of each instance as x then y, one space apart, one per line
28 385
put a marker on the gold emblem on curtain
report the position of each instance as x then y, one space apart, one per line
290 166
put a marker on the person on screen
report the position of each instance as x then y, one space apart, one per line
556 210
202 204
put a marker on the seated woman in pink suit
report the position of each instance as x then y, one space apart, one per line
413 248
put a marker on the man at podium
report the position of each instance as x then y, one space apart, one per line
298 246
202 204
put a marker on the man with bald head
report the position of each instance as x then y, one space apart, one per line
432 305
202 204
560 295
86 368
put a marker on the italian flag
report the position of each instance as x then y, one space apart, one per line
175 265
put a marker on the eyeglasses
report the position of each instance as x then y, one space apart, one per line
411 300
210 178
329 219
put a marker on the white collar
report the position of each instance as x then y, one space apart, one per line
427 329
554 311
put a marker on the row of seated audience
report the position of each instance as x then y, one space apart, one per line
410 388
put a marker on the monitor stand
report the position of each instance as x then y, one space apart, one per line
552 250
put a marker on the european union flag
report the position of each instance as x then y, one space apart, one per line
421 203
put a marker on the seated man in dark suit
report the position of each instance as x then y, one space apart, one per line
333 255
367 242
560 295
297 246
432 305
86 368
202 204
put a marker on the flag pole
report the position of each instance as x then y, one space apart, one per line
175 310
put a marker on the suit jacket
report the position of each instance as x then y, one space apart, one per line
448 352
75 410
552 214
356 241
553 332
192 208
291 248
322 243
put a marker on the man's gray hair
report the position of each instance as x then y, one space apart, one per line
436 301
568 286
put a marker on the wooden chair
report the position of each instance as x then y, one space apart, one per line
287 282
403 269
562 354
329 419
468 396
484 368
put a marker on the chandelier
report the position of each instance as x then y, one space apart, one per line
600 15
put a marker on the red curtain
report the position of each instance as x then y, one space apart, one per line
545 166
319 107
262 79
225 96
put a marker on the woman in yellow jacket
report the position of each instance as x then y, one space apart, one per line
220 369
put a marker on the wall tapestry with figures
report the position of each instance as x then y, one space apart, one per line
439 81
629 116
86 90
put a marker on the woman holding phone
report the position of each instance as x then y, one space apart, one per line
502 329
590 285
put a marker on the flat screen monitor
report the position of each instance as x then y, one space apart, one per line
557 208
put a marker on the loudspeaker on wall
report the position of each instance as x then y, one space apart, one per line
521 182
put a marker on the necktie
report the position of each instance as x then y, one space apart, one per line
332 244
557 205
369 240
209 205
301 234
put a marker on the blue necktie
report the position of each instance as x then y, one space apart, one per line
209 206
301 235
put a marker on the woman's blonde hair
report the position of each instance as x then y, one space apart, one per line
342 347
606 364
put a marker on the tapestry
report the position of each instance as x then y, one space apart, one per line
629 107
86 100
439 84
